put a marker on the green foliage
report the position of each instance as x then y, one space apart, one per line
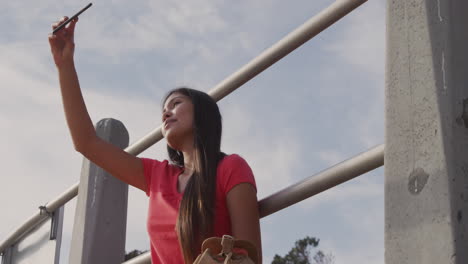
300 254
133 253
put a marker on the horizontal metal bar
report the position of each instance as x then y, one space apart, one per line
39 217
325 180
302 34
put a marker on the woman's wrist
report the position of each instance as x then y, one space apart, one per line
66 65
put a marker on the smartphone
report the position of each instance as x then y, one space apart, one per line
71 18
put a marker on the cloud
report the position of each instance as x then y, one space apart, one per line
359 45
153 26
331 157
357 252
362 43
271 154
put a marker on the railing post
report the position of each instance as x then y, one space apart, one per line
426 150
101 210
6 257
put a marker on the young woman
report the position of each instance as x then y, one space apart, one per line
200 192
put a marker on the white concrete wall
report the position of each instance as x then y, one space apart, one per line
426 153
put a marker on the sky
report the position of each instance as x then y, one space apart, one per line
318 106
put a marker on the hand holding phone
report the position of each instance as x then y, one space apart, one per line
61 41
71 18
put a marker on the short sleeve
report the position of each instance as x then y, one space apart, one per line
149 167
234 171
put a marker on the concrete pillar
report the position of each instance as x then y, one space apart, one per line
426 151
101 210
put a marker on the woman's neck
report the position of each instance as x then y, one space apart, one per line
189 160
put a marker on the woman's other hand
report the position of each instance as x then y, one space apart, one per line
62 43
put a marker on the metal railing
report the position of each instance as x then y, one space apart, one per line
293 194
327 179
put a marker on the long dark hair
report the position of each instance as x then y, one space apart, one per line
196 214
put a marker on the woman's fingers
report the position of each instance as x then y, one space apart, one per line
59 22
66 33
62 42
65 18
71 26
53 43
55 25
58 39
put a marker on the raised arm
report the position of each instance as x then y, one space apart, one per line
114 160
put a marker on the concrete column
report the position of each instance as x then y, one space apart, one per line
426 151
101 210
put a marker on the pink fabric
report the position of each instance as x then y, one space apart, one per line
161 179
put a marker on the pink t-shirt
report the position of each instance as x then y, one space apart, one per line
161 177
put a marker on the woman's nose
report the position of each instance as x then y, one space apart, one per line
166 115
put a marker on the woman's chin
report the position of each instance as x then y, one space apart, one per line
172 141
177 140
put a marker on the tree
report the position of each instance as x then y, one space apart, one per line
133 254
300 254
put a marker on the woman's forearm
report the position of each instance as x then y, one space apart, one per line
78 120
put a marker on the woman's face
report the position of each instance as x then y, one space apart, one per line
177 120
